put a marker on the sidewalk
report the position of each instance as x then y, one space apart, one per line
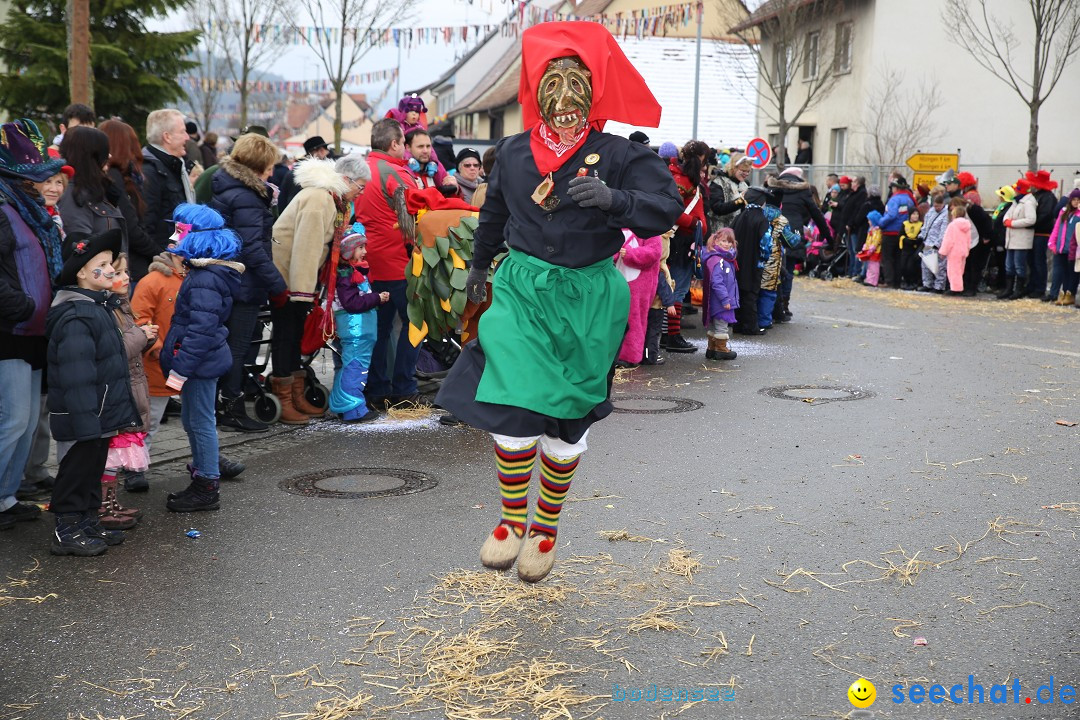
171 443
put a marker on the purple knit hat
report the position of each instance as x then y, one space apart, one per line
412 103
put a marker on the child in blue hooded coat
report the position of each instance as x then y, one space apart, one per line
356 323
196 350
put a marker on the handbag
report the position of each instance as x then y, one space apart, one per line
319 327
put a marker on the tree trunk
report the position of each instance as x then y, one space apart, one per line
243 98
79 73
339 89
1033 137
781 147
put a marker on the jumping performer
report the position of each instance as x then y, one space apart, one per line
539 374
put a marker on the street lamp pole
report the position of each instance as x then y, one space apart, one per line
697 68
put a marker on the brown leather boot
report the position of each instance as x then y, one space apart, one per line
109 518
299 401
283 389
108 495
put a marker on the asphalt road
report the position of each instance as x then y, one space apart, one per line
775 550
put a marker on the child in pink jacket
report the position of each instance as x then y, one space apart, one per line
957 243
639 262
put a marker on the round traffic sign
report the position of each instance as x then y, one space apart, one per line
759 152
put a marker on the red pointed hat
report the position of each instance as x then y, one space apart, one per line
619 91
1040 180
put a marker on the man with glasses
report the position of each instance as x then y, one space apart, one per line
468 165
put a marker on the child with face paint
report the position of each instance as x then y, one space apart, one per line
90 397
128 450
196 351
354 317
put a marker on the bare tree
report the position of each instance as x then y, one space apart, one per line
991 42
203 95
246 37
799 58
899 119
348 34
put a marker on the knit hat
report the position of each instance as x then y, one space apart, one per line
467 153
1074 194
355 237
924 189
1007 193
873 191
22 152
412 103
639 137
835 188
668 151
796 171
81 249
844 180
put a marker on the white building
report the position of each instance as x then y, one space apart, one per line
979 116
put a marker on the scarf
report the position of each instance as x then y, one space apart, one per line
548 153
38 219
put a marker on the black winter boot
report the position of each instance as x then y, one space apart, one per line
69 538
234 417
655 324
1007 290
1020 291
136 482
202 494
91 527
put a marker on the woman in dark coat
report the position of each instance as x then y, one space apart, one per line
243 198
89 205
125 173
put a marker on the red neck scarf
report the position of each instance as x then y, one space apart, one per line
548 152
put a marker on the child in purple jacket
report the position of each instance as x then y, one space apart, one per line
354 318
721 295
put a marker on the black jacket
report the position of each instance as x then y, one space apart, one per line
289 189
849 210
858 222
798 205
141 247
1045 214
645 200
163 190
243 199
89 385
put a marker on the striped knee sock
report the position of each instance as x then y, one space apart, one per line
109 474
674 324
555 477
515 470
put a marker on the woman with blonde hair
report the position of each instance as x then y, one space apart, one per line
244 199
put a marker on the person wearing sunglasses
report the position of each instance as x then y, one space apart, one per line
468 172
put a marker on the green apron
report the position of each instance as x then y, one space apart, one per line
551 335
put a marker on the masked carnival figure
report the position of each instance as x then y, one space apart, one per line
539 373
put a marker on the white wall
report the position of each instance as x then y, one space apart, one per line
980 115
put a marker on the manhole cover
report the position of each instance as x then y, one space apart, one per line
653 404
816 394
353 483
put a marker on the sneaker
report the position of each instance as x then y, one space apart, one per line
201 495
21 512
32 491
92 528
678 344
136 482
69 538
367 417
230 469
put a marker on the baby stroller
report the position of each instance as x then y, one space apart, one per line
832 264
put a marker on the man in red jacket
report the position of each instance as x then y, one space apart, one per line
387 258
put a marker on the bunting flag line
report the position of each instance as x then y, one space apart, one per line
637 23
194 82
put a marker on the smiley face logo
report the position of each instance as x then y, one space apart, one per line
862 693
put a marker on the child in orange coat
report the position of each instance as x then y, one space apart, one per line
957 243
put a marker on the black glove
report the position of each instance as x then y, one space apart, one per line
476 284
589 191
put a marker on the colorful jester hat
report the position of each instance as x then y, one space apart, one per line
23 152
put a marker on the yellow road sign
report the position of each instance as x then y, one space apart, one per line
927 179
934 162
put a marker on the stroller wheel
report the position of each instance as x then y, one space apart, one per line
267 408
827 276
317 394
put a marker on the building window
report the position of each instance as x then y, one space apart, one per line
842 57
839 146
810 56
781 61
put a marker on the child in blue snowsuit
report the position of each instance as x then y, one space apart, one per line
354 317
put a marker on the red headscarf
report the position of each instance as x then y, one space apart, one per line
619 92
